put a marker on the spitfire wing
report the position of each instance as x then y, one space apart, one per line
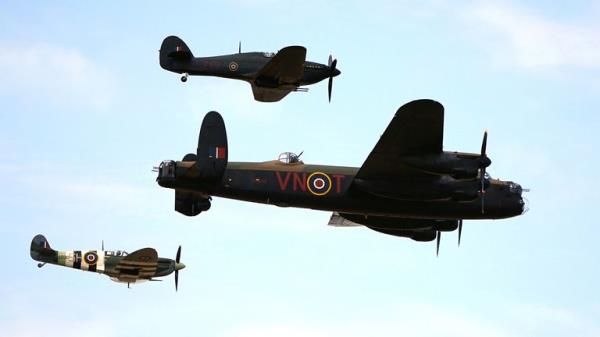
287 66
263 94
139 264
416 129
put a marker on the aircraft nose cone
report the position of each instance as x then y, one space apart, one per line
485 161
336 72
179 266
524 205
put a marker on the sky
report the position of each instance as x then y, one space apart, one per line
87 112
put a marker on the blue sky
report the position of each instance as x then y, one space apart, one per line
87 111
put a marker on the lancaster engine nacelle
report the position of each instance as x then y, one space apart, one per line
190 204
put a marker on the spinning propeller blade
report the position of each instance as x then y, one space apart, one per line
331 63
437 248
459 230
484 162
177 258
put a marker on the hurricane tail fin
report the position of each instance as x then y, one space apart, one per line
173 51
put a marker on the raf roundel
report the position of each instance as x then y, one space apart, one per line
233 66
91 258
318 183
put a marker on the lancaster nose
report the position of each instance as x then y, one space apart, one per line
179 266
524 205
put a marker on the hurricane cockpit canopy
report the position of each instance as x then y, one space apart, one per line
289 158
268 54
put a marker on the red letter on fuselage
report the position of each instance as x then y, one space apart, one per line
283 183
300 182
338 182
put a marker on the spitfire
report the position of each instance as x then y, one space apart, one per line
272 76
408 186
141 265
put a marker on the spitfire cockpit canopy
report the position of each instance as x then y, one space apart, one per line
289 158
116 253
268 54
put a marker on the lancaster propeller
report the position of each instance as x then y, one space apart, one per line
459 230
484 161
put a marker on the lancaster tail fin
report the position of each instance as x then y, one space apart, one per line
211 156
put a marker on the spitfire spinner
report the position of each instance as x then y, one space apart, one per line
408 186
141 265
272 76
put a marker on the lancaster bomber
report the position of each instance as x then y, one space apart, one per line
408 186
141 265
272 76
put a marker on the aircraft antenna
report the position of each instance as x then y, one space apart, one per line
239 47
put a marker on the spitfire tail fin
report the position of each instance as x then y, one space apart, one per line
211 155
172 51
40 249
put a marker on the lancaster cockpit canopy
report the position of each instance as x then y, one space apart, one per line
290 158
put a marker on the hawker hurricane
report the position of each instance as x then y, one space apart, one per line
272 76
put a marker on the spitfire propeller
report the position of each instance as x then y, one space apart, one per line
331 63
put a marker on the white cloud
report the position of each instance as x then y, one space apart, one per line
532 40
60 75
